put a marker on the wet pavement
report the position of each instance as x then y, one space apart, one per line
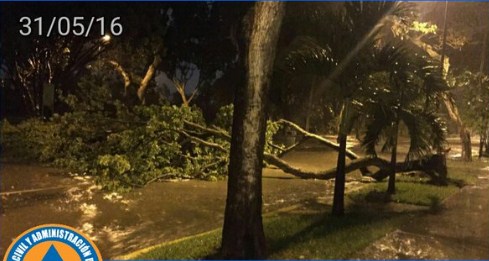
162 211
459 231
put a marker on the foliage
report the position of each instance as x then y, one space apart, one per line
69 141
399 93
224 117
473 101
125 148
424 27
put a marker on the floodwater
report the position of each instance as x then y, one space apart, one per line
162 211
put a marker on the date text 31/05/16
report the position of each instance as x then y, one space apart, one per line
78 26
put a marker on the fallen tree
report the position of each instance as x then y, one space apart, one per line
433 165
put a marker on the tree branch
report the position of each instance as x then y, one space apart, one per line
324 174
203 142
147 77
124 74
350 154
218 132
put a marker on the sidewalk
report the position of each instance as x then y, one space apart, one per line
460 231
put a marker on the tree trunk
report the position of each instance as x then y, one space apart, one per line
483 133
487 143
147 77
450 104
309 104
243 236
391 187
444 41
463 131
482 142
339 184
466 144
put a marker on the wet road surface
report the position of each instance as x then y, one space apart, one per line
459 231
162 211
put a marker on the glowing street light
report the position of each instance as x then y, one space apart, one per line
106 38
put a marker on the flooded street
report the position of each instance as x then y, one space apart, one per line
162 211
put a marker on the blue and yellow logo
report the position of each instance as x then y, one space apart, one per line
52 242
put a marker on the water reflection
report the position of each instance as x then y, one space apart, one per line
403 245
121 223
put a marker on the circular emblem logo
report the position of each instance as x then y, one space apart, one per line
52 242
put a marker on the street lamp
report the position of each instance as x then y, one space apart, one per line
106 38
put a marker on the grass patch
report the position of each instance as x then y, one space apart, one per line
294 236
409 193
463 173
418 191
330 237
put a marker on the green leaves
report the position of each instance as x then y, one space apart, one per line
132 149
398 93
472 101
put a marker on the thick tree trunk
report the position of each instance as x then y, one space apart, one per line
243 236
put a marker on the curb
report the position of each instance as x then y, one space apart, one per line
136 253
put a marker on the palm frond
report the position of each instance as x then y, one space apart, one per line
418 133
437 129
389 140
363 16
379 119
394 58
306 55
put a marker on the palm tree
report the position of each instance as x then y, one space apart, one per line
396 95
341 51
349 55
